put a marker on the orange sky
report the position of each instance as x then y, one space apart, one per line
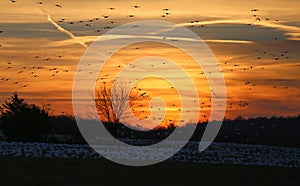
260 59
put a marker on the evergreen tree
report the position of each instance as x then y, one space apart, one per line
23 122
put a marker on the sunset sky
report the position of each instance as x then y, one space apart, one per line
256 43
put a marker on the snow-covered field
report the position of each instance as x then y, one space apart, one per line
217 153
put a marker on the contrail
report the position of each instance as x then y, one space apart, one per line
72 36
61 29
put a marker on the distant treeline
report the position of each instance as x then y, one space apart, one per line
278 131
20 121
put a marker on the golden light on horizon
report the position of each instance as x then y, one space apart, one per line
158 87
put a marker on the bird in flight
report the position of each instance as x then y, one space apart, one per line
254 10
136 6
58 6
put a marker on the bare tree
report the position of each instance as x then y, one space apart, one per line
114 106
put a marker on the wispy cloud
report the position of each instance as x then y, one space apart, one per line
292 31
82 40
227 41
88 39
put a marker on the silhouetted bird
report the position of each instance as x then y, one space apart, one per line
58 6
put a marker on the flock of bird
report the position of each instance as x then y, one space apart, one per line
94 22
33 71
258 18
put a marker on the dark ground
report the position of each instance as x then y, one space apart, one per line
33 171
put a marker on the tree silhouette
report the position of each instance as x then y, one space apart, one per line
114 107
23 122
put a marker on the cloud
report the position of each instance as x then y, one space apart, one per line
280 79
88 39
82 40
293 32
227 41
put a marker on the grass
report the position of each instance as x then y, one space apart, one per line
38 171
